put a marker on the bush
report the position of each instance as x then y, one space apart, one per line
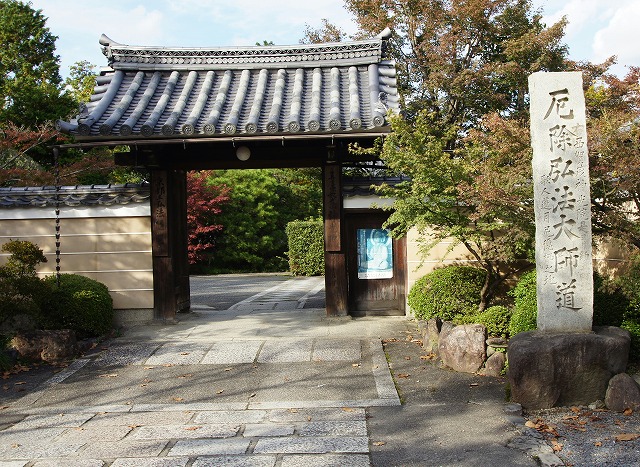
634 329
81 304
447 293
610 304
22 293
525 309
495 319
306 247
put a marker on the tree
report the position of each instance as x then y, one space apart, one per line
204 203
30 82
463 67
261 204
81 81
613 106
326 33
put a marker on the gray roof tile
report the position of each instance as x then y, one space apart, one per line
177 92
80 195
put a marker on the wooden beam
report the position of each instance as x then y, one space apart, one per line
336 291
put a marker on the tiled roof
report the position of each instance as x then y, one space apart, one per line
206 92
81 195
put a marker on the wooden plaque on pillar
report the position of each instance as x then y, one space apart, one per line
160 212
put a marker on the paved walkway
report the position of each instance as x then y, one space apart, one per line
266 382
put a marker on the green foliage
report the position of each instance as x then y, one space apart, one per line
261 204
525 310
495 319
22 293
306 247
447 293
610 305
81 81
629 281
79 303
30 82
633 326
25 256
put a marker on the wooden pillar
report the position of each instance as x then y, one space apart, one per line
335 263
169 244
180 241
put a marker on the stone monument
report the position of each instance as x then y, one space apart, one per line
562 202
566 361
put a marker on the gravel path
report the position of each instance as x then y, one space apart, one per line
581 436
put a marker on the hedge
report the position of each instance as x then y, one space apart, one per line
306 247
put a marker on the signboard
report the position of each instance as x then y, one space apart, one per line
375 254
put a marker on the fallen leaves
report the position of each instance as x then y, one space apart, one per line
429 356
627 437
379 443
628 412
403 375
108 375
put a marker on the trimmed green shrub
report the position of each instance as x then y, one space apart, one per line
525 309
22 293
634 329
81 304
306 247
447 293
610 304
629 281
495 319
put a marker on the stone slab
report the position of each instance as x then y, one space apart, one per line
235 461
337 350
203 447
312 445
326 460
255 430
316 414
66 462
286 351
126 354
178 353
333 428
126 448
151 462
231 417
106 420
94 434
232 352
190 431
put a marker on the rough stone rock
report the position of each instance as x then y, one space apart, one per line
623 393
560 369
497 341
462 347
431 335
50 346
495 364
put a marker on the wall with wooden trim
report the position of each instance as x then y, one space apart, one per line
111 244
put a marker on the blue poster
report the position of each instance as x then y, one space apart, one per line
375 254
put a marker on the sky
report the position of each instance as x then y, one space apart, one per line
597 28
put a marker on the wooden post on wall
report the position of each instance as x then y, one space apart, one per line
169 244
334 255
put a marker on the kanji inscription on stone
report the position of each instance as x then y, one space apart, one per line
562 202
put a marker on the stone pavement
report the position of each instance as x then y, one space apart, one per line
266 382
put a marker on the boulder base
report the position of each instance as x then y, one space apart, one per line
49 346
462 347
560 369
